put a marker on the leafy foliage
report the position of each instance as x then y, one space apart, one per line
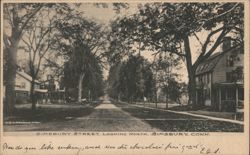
18 18
83 61
168 27
133 81
82 44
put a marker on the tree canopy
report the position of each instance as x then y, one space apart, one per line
168 27
82 43
132 80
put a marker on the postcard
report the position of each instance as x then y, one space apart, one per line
129 77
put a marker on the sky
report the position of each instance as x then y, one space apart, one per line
105 15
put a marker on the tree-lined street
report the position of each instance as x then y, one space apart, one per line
114 117
64 70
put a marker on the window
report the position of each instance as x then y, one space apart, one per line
230 94
235 76
223 94
241 93
36 86
204 79
229 77
200 79
230 61
208 78
207 93
25 94
23 85
238 72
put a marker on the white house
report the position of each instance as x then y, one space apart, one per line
23 85
219 79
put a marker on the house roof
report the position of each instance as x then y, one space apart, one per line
209 64
26 76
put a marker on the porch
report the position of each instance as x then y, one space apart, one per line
229 97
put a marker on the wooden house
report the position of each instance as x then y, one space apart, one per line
23 84
219 79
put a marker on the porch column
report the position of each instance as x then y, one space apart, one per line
196 93
219 99
236 98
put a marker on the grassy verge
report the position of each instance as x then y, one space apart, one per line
52 112
167 121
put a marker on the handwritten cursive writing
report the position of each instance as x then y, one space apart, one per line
176 147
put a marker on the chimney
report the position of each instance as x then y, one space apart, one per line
226 44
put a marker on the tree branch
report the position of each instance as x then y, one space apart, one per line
169 50
210 35
219 15
204 55
198 39
29 18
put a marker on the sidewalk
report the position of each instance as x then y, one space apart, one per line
219 116
160 105
226 115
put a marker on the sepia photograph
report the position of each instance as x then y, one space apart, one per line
127 77
123 67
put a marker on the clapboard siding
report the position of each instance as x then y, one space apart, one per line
219 74
220 70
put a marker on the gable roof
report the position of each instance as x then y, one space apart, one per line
209 64
26 76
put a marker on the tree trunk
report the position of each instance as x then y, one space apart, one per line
11 63
192 89
32 95
191 72
167 100
12 45
80 87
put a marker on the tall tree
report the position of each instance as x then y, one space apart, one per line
37 42
83 66
165 67
135 80
113 81
18 17
82 42
168 27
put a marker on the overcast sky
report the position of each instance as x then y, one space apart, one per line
105 15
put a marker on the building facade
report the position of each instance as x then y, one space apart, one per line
219 79
23 85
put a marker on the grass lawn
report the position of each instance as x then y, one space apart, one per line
50 112
208 112
168 121
48 117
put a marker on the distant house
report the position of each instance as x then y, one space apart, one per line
55 94
219 79
23 84
23 87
